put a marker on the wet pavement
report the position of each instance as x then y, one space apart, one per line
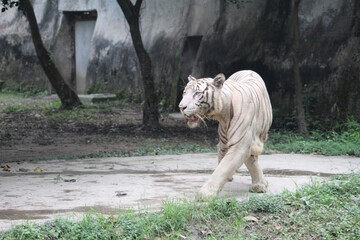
43 190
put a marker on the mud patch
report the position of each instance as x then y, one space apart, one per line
13 214
105 130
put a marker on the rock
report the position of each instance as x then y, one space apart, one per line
251 219
69 180
120 194
23 170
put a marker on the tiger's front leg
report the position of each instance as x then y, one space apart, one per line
222 150
233 159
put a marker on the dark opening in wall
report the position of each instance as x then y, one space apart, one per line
188 59
81 27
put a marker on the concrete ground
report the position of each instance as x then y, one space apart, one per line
44 190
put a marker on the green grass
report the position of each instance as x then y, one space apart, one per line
16 108
87 113
152 147
320 210
51 110
20 103
6 94
345 140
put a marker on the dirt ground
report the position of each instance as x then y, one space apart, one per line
41 133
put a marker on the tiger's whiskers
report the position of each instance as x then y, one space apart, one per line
202 119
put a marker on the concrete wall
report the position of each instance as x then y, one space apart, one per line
202 38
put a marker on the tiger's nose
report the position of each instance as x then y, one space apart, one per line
182 107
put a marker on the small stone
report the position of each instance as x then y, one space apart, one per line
277 227
69 180
120 194
251 219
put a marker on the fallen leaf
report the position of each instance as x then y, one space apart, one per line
6 168
251 219
277 227
38 169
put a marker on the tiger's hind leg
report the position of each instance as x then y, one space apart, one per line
259 184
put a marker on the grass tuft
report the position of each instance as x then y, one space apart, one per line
344 141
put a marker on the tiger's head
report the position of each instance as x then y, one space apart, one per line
199 99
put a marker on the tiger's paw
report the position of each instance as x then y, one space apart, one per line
207 192
258 188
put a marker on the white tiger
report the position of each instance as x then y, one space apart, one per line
242 106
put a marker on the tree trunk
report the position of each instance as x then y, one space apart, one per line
150 111
68 97
301 121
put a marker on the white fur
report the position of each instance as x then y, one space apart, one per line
242 106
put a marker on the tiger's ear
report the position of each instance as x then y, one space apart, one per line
191 78
219 80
